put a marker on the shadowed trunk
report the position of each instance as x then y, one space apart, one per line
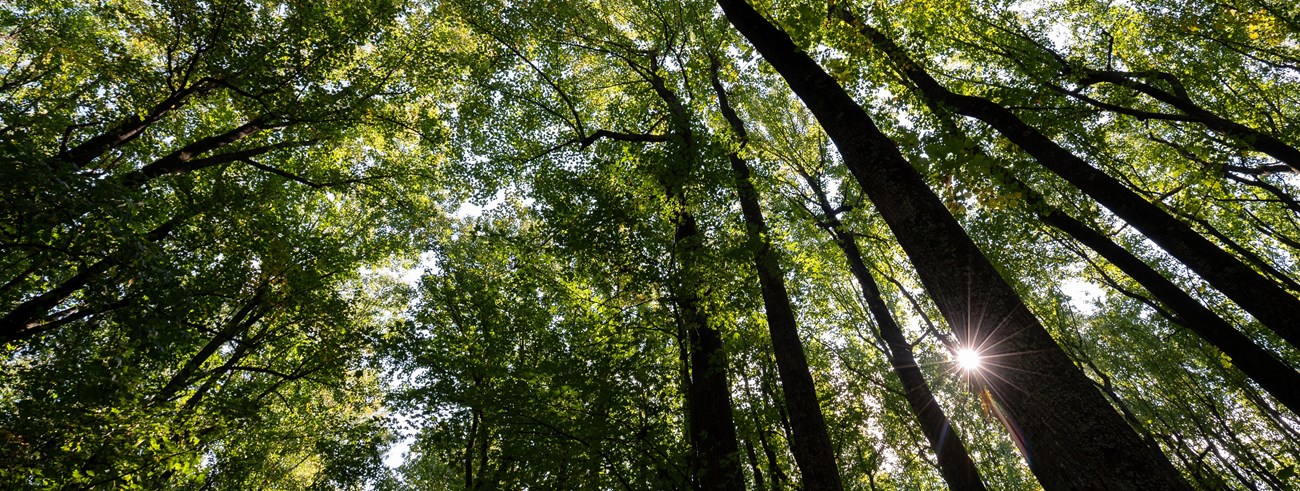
811 445
1275 376
715 460
1263 298
955 463
1270 372
715 450
1073 438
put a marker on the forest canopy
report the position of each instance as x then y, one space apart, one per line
625 245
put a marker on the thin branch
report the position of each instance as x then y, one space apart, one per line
302 180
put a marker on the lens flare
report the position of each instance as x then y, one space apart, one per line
968 359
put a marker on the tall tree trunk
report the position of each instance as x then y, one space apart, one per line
812 445
1263 298
1270 372
683 359
955 463
710 426
715 460
483 480
1073 438
1275 376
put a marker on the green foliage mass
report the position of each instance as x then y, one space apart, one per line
265 244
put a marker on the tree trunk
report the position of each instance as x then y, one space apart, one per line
1073 438
754 467
1265 368
775 474
955 463
715 460
1270 372
811 445
1264 299
715 451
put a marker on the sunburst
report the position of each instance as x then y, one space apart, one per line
968 359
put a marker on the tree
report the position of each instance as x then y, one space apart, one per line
584 245
952 268
1266 300
955 463
185 296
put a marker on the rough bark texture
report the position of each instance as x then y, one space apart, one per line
811 445
1264 299
1073 438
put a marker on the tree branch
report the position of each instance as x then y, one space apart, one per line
615 135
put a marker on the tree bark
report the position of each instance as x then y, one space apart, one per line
715 460
955 464
468 458
759 483
710 426
1270 372
1275 376
1264 299
1073 438
21 322
775 474
811 445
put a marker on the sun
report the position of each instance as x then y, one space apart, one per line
968 359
